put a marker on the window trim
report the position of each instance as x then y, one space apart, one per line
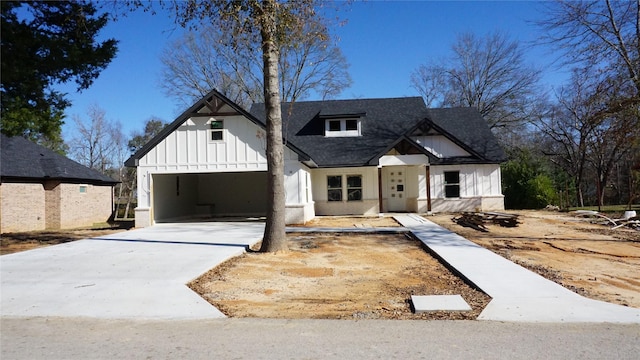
354 188
345 188
217 129
332 189
452 185
343 132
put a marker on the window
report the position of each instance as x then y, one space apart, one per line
452 184
83 189
334 125
334 188
217 130
342 127
354 188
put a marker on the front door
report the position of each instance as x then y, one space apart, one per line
396 188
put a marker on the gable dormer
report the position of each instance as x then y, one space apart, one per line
342 125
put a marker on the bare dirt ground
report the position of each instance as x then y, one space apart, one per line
336 276
590 259
22 241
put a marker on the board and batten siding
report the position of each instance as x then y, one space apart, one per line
189 150
480 188
440 146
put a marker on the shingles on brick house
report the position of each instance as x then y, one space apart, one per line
40 189
362 156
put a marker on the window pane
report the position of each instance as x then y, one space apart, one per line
217 124
352 124
354 194
354 181
334 182
334 125
216 135
334 194
451 177
452 191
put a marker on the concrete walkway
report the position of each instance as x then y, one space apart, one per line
518 294
138 274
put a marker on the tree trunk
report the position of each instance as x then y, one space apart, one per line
274 232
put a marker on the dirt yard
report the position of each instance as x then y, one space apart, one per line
336 276
587 258
15 242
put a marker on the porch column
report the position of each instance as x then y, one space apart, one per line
428 188
380 189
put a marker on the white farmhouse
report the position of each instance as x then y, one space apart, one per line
342 157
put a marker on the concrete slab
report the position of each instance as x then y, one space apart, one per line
138 274
428 303
518 294
358 230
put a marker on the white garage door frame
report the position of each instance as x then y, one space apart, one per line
187 196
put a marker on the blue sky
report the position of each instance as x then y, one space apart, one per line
383 41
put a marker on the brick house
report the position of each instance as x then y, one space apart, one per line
40 189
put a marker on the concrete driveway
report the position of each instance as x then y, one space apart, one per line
138 274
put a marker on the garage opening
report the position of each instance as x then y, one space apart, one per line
180 197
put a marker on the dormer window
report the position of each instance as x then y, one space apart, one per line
342 127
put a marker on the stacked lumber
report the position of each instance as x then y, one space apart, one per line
478 220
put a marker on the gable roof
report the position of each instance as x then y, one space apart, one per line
214 101
21 159
385 123
466 127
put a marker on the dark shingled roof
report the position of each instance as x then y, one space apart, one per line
385 122
24 160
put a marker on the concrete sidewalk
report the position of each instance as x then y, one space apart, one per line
518 294
138 274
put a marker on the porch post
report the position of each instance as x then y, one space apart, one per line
428 188
380 190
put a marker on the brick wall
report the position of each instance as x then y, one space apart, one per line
22 207
84 205
52 204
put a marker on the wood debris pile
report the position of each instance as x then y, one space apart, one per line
477 220
630 220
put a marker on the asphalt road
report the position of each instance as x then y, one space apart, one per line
76 338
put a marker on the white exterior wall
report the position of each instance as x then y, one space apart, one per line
299 196
440 146
188 150
367 206
480 188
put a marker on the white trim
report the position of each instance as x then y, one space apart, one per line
401 160
343 132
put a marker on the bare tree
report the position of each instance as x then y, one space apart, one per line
488 73
585 136
601 40
97 141
309 63
601 35
568 128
